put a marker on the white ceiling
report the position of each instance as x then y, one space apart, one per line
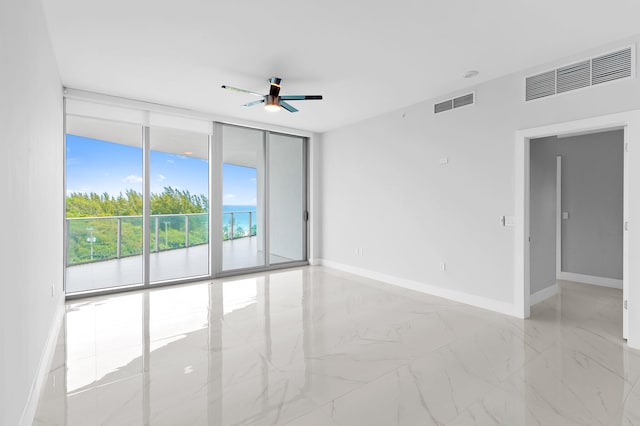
366 57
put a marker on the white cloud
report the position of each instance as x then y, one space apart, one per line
252 179
229 196
132 179
161 177
171 161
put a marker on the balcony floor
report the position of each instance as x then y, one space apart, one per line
165 266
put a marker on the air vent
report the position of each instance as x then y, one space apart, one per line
458 102
609 67
463 100
573 76
541 85
612 66
443 106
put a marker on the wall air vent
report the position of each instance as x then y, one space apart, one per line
443 106
463 100
458 102
612 66
601 69
573 77
541 85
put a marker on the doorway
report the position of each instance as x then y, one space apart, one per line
576 212
630 123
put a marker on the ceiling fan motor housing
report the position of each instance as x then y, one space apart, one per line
272 100
274 89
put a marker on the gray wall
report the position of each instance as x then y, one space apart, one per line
592 194
31 161
542 211
384 190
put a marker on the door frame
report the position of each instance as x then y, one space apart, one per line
630 122
306 184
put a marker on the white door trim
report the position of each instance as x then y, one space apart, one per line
630 121
558 216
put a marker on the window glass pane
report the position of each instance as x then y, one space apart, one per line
242 198
103 204
179 201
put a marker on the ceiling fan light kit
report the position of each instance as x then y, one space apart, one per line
273 102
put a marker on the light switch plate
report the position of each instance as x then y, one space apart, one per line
565 215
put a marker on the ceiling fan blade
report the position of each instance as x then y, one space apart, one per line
301 97
288 107
261 101
235 89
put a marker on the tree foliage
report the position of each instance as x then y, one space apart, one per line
170 201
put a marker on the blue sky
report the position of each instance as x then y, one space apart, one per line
98 166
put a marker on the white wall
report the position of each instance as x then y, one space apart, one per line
31 162
383 189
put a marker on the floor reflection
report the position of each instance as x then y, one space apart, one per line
312 346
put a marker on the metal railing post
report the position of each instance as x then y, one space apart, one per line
119 239
186 230
157 232
250 222
232 232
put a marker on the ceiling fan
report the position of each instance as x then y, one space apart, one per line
273 101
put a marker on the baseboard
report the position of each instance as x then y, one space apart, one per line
44 366
544 294
590 279
456 296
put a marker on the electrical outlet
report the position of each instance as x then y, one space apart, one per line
443 266
444 161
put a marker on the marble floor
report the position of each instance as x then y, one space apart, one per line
312 346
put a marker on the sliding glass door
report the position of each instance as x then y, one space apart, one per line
140 201
262 169
287 199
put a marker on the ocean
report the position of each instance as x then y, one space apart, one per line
240 216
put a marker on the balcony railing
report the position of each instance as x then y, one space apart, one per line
233 228
94 239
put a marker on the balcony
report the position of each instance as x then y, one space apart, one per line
106 252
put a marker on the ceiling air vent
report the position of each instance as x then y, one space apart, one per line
541 85
609 67
573 77
612 66
458 102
